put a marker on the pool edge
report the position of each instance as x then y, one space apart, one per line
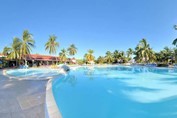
51 106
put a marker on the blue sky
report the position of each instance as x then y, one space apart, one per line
100 25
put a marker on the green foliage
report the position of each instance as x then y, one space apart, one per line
109 57
143 52
80 61
166 55
63 55
72 50
100 60
88 57
19 48
27 44
52 44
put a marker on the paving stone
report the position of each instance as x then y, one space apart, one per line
21 98
5 115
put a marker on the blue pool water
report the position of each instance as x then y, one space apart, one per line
32 72
117 92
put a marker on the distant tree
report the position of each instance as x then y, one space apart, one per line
109 57
143 52
100 60
175 43
165 56
129 52
116 56
72 50
52 44
63 55
89 56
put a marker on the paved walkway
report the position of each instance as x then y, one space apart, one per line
22 98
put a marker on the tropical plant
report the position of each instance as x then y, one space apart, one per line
100 60
116 56
72 50
52 44
175 42
143 52
129 53
109 57
27 44
63 55
89 56
6 51
152 56
13 52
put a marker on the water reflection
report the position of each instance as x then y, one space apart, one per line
141 84
161 87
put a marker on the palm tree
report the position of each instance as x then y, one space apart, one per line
109 57
152 56
27 44
142 51
52 44
13 52
122 56
166 55
116 56
89 56
100 60
175 42
16 46
129 52
72 50
63 55
6 51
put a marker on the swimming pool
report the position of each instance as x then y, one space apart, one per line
32 72
117 92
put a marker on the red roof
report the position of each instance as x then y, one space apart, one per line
1 55
42 57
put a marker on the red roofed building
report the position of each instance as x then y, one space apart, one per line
37 59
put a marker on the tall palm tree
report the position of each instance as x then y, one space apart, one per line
27 44
152 56
109 57
72 50
100 60
165 55
142 51
13 52
129 52
16 46
116 56
52 44
63 55
89 56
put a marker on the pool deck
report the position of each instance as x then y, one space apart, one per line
22 98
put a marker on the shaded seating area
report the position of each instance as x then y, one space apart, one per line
41 60
151 65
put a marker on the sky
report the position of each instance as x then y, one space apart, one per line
100 25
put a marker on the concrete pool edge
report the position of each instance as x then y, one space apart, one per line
51 106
